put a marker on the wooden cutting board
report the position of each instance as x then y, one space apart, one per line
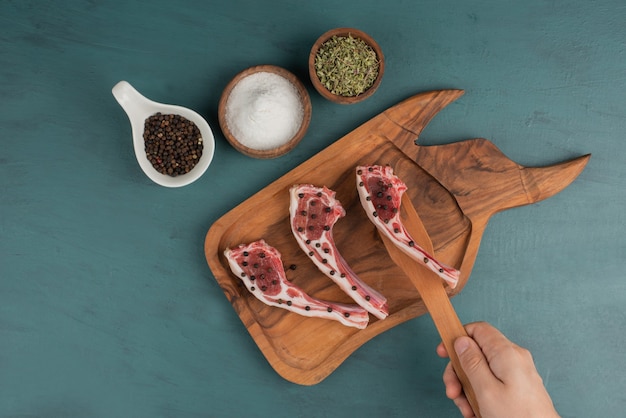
455 189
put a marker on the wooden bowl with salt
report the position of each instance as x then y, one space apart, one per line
341 87
264 111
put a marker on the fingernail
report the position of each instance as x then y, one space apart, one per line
461 344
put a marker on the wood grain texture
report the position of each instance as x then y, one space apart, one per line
451 186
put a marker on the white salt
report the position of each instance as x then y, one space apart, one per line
264 111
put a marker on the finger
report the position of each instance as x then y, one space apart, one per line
454 389
441 351
498 350
464 406
475 364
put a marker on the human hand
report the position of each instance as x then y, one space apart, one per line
502 374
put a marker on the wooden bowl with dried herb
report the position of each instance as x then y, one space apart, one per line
346 65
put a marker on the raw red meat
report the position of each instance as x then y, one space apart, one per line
313 213
260 268
380 192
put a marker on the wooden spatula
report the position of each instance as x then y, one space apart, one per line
432 292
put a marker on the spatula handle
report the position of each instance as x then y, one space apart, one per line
434 295
450 328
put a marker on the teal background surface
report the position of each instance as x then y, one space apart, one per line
107 305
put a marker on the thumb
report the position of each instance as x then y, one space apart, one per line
474 363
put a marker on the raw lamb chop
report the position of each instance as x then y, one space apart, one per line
380 192
260 268
313 212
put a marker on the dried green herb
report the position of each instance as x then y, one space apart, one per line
346 66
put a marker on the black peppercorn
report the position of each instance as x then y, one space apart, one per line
173 144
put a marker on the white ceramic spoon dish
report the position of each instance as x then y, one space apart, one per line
138 108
